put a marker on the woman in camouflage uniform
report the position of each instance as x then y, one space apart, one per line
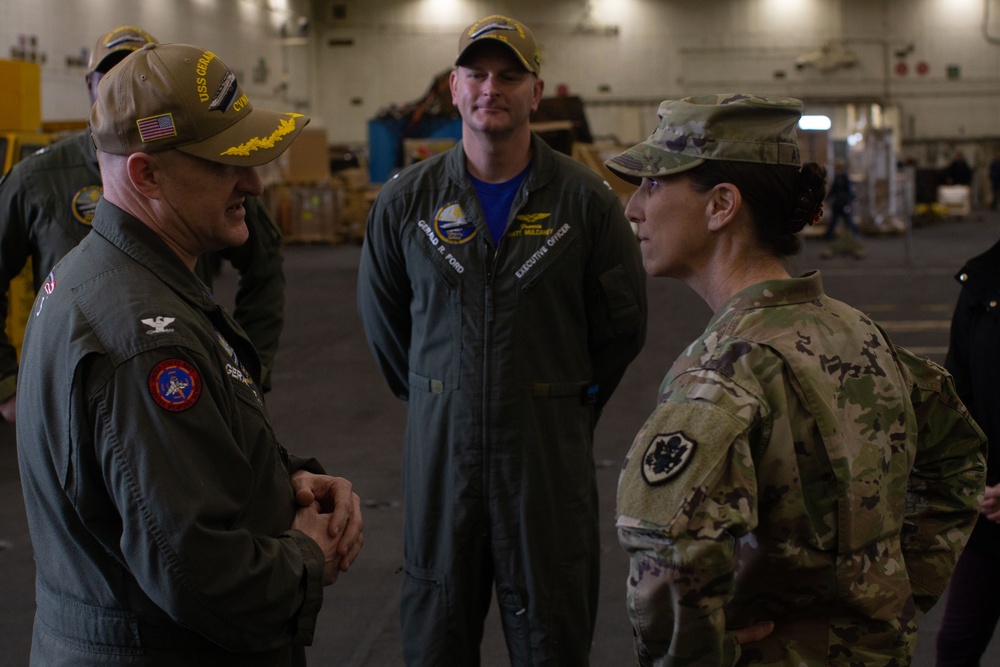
801 478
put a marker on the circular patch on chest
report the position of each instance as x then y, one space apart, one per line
84 202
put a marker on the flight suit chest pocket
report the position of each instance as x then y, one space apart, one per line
540 256
436 315
448 259
239 378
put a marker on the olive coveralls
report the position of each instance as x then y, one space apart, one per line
158 497
505 354
46 206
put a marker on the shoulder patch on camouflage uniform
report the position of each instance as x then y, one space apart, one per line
663 473
666 456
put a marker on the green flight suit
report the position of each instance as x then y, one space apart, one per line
157 495
46 206
505 354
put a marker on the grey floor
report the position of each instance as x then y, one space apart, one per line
330 402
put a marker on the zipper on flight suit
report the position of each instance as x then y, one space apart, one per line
491 268
491 264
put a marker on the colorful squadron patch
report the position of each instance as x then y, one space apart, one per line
451 225
84 202
666 456
175 385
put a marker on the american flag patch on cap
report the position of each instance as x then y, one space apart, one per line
156 127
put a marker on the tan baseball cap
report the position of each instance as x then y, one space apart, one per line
181 96
112 46
513 34
730 126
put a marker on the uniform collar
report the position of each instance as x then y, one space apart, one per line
543 164
807 287
143 245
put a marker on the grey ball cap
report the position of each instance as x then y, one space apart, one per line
734 127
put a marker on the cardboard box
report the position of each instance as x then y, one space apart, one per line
304 213
352 217
307 160
21 86
354 178
313 215
955 199
594 157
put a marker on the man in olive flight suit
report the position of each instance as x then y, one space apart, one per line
47 204
171 525
502 294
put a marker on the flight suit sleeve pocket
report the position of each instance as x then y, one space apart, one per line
624 311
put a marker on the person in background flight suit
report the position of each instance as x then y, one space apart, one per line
803 488
170 526
502 295
47 203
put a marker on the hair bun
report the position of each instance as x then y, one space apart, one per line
809 207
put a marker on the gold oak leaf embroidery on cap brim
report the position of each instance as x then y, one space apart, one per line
285 126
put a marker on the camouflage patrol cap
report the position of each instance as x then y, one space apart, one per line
112 46
181 96
507 31
734 127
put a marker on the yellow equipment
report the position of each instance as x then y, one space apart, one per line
15 146
20 120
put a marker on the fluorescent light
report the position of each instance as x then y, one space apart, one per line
815 123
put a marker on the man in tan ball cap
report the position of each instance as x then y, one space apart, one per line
175 528
503 297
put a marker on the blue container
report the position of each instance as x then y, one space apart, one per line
385 141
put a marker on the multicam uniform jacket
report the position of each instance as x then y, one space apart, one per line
798 468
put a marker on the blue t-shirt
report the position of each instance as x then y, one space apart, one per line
495 199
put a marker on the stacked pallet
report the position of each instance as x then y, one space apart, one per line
355 197
312 205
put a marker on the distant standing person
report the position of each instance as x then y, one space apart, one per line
803 487
502 294
840 198
995 179
169 525
958 171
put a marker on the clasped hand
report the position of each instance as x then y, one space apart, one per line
991 503
330 513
